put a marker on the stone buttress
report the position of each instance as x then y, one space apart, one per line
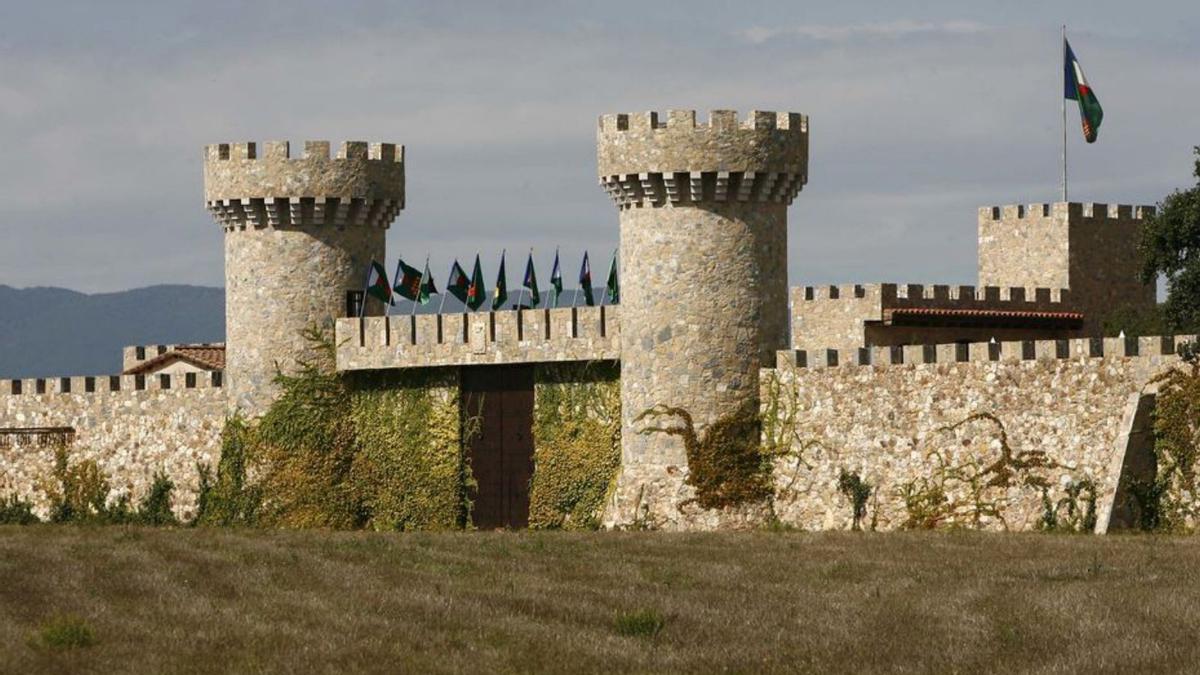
300 233
703 257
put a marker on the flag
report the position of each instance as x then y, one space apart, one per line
1076 88
613 287
501 295
458 284
475 290
585 280
427 286
377 283
556 279
535 298
409 284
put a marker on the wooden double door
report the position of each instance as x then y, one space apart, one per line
501 454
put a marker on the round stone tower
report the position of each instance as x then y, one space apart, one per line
300 234
703 255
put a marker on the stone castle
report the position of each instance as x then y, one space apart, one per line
913 389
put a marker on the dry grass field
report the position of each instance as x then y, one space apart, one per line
115 599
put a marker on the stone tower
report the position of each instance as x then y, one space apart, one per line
703 255
300 233
1089 248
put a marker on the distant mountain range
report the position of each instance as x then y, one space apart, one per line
55 332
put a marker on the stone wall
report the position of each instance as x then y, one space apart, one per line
857 315
1088 248
132 426
479 338
981 425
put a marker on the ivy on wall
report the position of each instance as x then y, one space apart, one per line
378 450
577 443
1171 501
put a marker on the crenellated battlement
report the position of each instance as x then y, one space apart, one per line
1074 210
248 185
647 158
940 296
507 336
1157 347
103 384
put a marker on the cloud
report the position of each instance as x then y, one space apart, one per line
841 33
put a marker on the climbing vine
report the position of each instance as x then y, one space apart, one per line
577 444
1171 501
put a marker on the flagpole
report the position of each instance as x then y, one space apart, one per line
1063 101
362 305
442 303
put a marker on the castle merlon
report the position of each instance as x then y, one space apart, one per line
500 337
1084 210
631 144
103 384
1155 347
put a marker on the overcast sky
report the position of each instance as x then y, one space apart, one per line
920 112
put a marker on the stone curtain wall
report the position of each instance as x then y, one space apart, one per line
131 433
963 440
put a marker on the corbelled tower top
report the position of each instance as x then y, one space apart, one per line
245 184
645 159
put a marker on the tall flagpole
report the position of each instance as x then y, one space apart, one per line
1063 100
395 280
442 303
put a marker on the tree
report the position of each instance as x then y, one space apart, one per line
1170 245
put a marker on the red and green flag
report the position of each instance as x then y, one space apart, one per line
535 297
475 290
408 283
377 283
459 284
1076 88
501 295
613 287
585 280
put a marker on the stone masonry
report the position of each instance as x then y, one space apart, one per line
300 232
703 254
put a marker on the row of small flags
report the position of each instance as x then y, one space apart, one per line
419 286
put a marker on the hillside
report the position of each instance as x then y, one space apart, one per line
50 332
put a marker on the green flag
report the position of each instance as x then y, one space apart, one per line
535 298
556 279
475 290
409 284
459 284
585 280
377 283
501 295
427 286
1077 89
613 286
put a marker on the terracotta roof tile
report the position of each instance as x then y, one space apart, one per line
205 357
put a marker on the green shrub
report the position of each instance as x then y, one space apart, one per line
155 507
226 499
858 491
16 511
643 623
1169 501
78 491
65 632
576 444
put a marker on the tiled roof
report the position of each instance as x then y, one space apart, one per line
205 357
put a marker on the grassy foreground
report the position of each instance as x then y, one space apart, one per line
189 601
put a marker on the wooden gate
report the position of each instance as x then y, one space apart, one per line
501 455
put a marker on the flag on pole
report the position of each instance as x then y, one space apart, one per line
427 286
501 294
475 290
1076 88
458 285
556 279
585 280
409 284
377 283
535 298
613 287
